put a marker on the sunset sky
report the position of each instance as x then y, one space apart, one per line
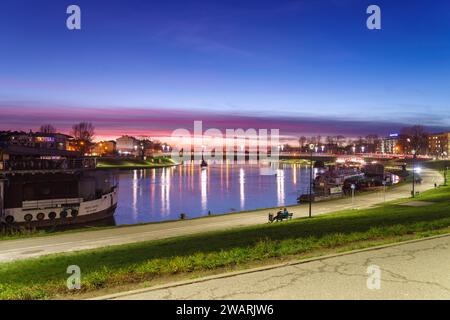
148 67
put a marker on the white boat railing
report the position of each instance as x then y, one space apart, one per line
52 203
47 165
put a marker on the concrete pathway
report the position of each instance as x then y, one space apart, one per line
415 270
74 241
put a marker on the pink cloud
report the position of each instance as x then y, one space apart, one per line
153 122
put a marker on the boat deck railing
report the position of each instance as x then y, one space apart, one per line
52 203
47 165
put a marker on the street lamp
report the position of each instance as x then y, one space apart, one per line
353 187
413 192
445 176
311 149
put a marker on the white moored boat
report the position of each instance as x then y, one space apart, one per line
55 192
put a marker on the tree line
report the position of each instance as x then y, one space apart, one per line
82 132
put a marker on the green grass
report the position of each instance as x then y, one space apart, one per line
118 163
189 256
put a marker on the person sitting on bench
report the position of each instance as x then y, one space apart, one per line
282 214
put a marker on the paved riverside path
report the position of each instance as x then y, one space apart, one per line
74 241
415 270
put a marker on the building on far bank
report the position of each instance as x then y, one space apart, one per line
127 145
104 148
142 148
391 144
439 145
38 140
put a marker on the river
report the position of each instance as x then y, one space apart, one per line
152 195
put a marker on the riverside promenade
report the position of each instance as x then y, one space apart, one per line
11 250
413 270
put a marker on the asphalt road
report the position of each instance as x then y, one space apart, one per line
416 270
74 241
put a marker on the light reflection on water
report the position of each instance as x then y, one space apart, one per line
163 194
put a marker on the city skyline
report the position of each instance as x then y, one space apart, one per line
150 68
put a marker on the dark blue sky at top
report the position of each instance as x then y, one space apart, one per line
312 58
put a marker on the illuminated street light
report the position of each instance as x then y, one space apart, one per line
413 192
311 149
445 175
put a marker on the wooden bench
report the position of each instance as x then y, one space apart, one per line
280 216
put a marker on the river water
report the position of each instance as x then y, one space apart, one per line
161 194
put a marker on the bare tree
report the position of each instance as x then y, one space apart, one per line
83 133
340 140
373 142
319 139
47 128
302 140
415 138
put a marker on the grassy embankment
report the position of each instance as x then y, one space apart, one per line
117 163
149 263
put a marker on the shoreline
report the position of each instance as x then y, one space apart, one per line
134 164
18 247
265 210
119 167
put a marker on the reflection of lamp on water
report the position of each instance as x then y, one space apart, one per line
280 187
204 188
242 186
165 191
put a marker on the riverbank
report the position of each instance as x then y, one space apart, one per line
22 246
154 262
119 163
15 234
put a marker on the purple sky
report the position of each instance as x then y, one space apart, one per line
306 67
159 123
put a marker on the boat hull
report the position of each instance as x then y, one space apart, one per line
86 212
106 214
